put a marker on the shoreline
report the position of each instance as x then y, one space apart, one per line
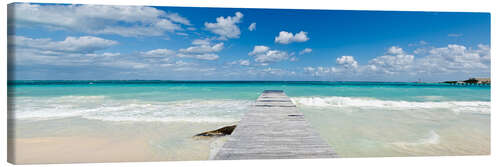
105 141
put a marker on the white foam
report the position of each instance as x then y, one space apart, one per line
431 139
109 109
368 103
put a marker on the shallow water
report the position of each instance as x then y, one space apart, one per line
359 119
388 128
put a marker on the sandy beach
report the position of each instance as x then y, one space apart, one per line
125 143
79 149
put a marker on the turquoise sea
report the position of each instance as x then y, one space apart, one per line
359 119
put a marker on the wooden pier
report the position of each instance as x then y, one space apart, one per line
274 129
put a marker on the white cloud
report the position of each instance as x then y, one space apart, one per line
204 56
348 62
205 41
207 56
178 63
125 64
83 44
226 27
271 56
455 58
182 34
306 50
241 62
77 51
107 54
433 61
252 26
98 19
244 62
263 54
203 48
392 64
175 17
286 37
258 49
394 50
320 71
395 61
184 69
484 51
158 53
275 71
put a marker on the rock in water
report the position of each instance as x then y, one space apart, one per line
226 130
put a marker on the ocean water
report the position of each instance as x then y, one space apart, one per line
359 119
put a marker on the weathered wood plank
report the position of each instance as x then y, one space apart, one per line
274 129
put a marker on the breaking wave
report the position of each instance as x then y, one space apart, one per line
109 109
481 107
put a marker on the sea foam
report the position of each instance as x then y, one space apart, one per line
481 107
431 139
110 109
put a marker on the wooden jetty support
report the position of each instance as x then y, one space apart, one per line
274 129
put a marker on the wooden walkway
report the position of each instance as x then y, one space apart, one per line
274 129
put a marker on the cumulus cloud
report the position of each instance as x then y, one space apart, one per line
394 61
258 49
433 61
271 56
287 37
348 62
484 51
263 54
306 50
83 44
455 58
394 50
392 64
252 26
226 27
88 51
98 19
203 48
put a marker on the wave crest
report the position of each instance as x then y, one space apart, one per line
109 109
368 103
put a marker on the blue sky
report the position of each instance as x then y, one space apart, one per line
93 42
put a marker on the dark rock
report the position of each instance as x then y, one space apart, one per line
226 130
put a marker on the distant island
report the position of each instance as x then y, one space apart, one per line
471 81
